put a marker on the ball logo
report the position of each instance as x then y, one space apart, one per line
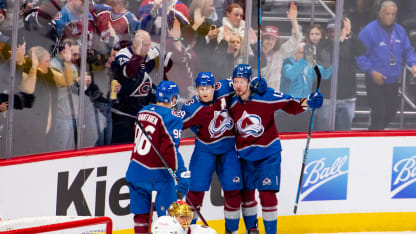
325 175
403 176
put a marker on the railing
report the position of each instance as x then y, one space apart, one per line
405 98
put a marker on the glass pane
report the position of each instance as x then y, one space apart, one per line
5 47
381 73
289 51
50 31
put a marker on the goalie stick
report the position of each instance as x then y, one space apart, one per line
308 140
162 159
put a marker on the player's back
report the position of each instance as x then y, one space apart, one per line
163 126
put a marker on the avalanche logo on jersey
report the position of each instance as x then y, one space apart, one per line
220 123
403 173
250 125
144 87
326 175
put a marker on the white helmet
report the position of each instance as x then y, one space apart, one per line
167 225
198 229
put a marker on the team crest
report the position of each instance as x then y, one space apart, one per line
217 85
267 181
143 88
236 180
250 125
220 123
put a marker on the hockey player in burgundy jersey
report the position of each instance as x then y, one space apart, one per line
146 172
214 146
117 17
258 143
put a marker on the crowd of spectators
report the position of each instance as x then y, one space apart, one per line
123 48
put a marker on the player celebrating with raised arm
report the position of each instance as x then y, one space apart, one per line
214 149
258 143
146 172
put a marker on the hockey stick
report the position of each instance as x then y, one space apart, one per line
162 159
154 193
308 140
259 37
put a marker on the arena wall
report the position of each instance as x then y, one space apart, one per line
355 181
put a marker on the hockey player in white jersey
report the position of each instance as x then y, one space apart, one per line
183 214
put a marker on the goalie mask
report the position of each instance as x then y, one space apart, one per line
167 225
182 212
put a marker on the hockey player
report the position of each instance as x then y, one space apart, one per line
214 146
183 214
167 225
258 144
146 172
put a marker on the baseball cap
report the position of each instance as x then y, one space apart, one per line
271 31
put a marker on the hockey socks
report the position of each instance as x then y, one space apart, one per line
196 198
268 202
141 223
232 209
249 209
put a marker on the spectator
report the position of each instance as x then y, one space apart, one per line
114 22
233 21
276 52
110 88
205 31
68 23
350 48
150 14
42 81
300 74
388 49
131 67
65 131
185 62
229 53
313 39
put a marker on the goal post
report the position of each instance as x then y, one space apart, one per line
57 224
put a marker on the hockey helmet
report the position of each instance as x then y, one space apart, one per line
167 225
165 92
205 79
242 70
182 212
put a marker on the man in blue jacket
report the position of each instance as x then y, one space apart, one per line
387 50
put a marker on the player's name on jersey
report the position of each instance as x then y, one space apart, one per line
149 118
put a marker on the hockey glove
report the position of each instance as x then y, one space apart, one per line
184 178
258 85
315 100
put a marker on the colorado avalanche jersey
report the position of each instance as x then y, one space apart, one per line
215 128
68 25
257 136
164 127
136 86
124 24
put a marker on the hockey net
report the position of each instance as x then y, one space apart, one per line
58 224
